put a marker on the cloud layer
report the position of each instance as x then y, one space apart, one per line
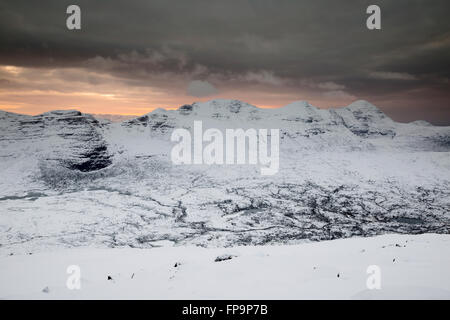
133 56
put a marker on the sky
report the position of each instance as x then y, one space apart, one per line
131 57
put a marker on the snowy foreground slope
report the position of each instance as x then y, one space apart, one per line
412 267
71 180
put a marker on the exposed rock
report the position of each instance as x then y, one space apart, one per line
224 257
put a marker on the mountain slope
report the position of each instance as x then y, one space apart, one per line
343 172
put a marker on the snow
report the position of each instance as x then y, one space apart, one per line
344 172
412 267
105 196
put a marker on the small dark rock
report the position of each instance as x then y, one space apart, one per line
224 257
110 278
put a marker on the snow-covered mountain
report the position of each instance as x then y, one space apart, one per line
355 126
69 179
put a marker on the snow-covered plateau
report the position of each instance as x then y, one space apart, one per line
71 182
410 267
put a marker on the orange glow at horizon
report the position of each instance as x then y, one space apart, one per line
127 109
37 102
34 91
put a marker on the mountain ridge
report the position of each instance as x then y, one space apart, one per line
357 105
81 141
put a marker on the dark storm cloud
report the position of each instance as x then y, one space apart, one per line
289 44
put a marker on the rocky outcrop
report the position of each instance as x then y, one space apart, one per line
69 138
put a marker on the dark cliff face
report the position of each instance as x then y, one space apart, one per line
87 151
70 138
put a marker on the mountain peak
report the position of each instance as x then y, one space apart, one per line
366 111
298 105
71 112
362 105
159 110
221 105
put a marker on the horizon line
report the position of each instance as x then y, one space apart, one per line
177 107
